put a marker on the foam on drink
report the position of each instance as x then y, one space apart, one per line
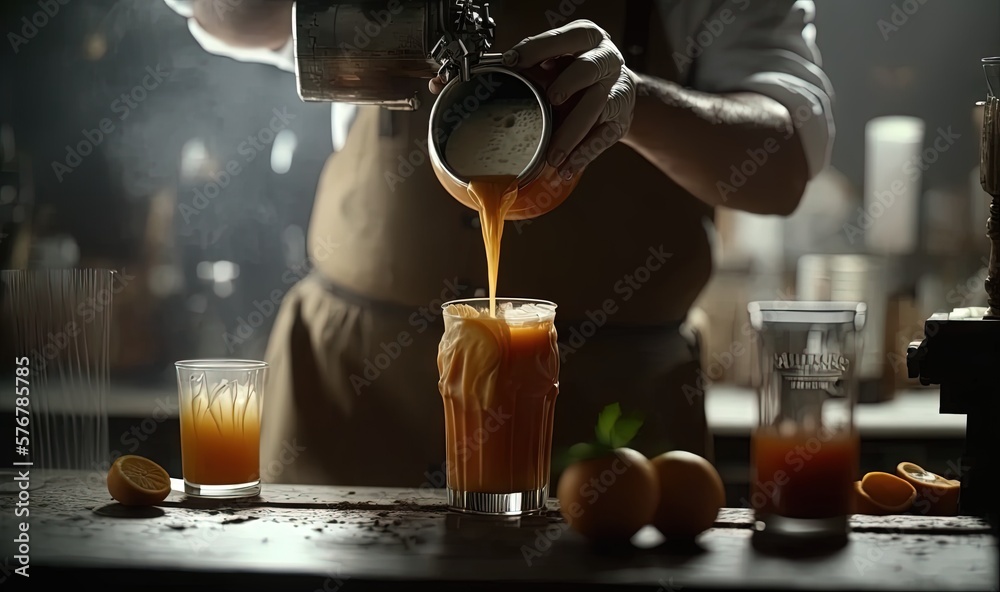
497 139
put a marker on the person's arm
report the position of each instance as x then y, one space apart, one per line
254 31
760 125
752 129
740 150
247 23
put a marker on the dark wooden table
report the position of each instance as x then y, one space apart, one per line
328 538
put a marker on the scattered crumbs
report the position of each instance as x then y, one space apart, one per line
334 521
213 512
176 526
239 519
350 493
318 529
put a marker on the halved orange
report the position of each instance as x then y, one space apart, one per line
936 496
137 481
882 494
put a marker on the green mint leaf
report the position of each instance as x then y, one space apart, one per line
606 423
624 430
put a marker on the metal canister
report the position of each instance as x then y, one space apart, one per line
369 52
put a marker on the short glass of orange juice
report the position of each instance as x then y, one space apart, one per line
499 379
220 409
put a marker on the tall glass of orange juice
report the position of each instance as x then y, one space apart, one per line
220 408
805 447
499 378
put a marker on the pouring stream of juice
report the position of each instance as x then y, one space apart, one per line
493 196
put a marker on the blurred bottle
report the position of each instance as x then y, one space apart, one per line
892 184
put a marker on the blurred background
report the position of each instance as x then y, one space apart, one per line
126 146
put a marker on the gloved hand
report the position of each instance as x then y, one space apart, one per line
607 88
588 64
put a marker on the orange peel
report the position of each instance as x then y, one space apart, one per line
936 496
882 494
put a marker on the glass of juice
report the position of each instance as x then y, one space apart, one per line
220 408
805 446
499 378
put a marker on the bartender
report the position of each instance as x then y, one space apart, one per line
695 105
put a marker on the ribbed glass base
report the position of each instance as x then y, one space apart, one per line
239 490
498 504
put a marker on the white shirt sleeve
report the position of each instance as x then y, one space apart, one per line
767 47
283 58
341 114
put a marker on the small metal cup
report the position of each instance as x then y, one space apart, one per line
490 82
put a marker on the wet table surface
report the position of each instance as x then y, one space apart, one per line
332 538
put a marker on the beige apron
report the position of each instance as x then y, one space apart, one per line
352 396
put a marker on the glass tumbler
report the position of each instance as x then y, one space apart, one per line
499 378
805 446
220 409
